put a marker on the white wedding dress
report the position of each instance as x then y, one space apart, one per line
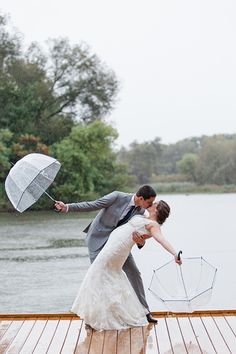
106 300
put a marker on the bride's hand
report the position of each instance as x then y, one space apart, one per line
177 260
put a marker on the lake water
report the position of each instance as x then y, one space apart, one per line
43 258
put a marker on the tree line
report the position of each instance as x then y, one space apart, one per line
202 160
55 99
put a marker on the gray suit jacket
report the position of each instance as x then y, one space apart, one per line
112 205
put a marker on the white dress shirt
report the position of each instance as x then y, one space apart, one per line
131 203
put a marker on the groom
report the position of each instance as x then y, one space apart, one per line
116 209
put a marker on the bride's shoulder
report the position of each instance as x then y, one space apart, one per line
151 222
142 219
137 219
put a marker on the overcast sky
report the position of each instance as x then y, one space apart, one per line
175 59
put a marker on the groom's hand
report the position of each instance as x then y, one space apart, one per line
139 239
60 206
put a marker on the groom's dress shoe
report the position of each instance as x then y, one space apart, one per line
151 319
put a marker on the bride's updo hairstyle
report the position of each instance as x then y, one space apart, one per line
163 211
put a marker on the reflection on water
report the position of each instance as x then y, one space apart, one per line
43 257
180 348
122 341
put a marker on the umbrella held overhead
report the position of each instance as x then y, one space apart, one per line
29 178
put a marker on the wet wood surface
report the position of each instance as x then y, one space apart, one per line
202 333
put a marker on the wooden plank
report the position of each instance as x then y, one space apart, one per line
195 313
123 341
136 340
97 342
21 337
59 337
110 342
231 320
150 339
46 337
205 334
226 332
72 316
3 327
9 335
42 316
163 339
201 335
188 335
215 335
72 337
33 337
178 345
84 340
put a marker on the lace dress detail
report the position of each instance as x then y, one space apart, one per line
106 300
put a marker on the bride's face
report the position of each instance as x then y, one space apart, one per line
153 209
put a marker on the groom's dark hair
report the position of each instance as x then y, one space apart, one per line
146 192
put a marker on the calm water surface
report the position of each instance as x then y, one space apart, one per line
43 258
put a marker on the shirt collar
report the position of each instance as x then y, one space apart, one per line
132 201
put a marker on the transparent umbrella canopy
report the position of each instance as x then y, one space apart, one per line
29 178
184 288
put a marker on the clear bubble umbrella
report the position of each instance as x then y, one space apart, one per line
29 178
184 288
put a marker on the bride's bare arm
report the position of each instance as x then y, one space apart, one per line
155 231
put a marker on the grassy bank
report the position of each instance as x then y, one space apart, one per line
190 187
160 187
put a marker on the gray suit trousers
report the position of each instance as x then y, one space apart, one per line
134 276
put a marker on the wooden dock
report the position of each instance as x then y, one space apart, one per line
198 333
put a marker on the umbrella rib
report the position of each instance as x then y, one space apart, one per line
194 297
22 196
163 265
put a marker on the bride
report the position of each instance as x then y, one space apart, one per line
106 300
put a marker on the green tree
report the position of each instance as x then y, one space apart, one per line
44 93
142 160
5 152
187 165
81 82
89 166
174 152
26 144
217 161
9 43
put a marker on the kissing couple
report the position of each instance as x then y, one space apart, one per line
112 296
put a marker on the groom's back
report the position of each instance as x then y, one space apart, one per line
106 220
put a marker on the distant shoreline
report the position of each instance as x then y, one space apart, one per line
184 188
192 188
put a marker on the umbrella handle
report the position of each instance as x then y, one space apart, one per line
178 257
56 210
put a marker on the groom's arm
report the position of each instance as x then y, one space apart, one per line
98 204
139 239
